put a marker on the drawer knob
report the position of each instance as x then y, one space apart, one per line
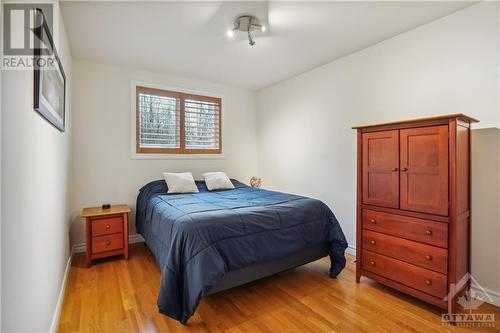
394 169
428 232
428 257
108 243
372 263
428 282
108 226
404 169
373 221
373 242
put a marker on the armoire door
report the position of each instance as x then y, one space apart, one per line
424 169
380 161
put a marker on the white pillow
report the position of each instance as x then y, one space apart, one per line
217 181
182 182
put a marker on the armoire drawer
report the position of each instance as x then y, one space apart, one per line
423 255
419 278
420 230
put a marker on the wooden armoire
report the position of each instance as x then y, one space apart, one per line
413 206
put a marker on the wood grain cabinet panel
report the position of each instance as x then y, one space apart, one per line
411 275
424 169
107 226
423 255
424 231
107 243
413 206
380 168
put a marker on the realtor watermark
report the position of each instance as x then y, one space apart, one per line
470 301
23 46
26 62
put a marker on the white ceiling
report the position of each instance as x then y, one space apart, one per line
189 38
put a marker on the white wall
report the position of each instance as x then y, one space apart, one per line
103 170
1 45
35 207
485 206
305 142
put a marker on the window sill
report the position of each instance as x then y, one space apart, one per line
138 156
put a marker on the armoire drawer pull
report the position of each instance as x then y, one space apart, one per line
428 257
428 282
428 232
394 169
373 221
372 263
108 226
373 242
108 243
404 169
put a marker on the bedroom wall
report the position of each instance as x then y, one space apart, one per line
485 207
1 34
305 141
35 172
103 170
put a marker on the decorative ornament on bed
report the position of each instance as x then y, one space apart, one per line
49 77
255 182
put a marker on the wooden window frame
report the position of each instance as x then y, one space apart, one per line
182 139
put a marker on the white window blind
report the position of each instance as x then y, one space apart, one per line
159 121
201 124
174 122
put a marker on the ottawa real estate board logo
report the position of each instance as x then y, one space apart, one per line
22 36
471 302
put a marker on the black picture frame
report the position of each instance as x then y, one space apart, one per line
49 82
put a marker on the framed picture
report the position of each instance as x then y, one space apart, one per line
49 77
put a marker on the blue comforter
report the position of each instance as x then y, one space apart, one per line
197 238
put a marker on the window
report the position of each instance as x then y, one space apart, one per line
169 122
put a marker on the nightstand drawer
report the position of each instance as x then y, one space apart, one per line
106 226
107 243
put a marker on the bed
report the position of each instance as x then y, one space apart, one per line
207 242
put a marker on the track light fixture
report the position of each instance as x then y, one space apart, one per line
247 24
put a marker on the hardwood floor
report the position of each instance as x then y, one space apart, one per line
115 295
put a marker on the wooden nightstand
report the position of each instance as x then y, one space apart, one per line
106 232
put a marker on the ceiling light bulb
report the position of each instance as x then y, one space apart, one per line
230 33
263 28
